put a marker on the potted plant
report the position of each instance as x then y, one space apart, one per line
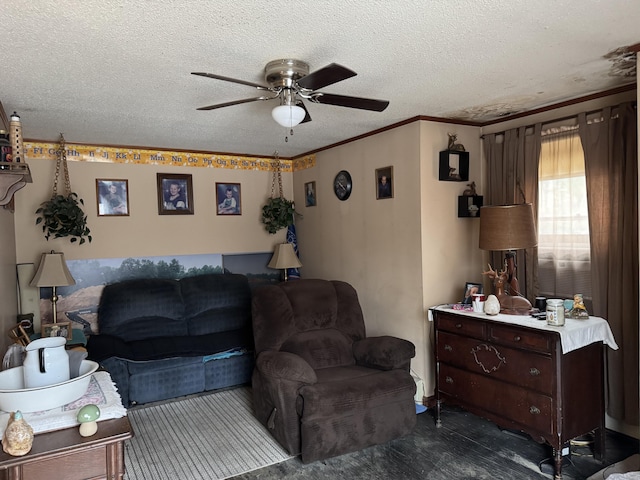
277 214
62 215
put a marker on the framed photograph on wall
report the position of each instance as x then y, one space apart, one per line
112 197
228 199
384 183
469 289
310 194
175 194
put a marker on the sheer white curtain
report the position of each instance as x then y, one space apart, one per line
564 262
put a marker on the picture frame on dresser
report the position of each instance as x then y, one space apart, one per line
469 289
58 329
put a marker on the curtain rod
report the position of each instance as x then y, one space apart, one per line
569 117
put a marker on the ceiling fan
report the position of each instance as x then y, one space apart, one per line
290 82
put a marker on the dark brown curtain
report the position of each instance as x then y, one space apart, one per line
512 160
611 169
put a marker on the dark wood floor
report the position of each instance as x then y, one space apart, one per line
465 447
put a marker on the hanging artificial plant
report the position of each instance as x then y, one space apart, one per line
278 213
62 215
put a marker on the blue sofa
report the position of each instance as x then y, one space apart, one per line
161 338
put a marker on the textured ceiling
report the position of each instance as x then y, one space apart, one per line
117 72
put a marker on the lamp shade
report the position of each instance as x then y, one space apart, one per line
52 271
507 227
288 115
284 257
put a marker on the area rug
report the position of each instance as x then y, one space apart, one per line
207 437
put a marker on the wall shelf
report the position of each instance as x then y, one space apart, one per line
454 166
466 204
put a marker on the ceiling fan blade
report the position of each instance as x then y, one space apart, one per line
307 117
328 75
351 102
236 102
229 79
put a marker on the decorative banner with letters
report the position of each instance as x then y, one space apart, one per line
90 153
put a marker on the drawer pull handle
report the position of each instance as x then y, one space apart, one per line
534 371
517 338
448 379
458 325
448 348
533 410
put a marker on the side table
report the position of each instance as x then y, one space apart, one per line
66 454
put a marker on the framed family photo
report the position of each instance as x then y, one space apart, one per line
469 289
384 183
228 199
310 194
175 194
59 329
112 197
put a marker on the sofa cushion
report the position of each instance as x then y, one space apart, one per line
101 347
142 309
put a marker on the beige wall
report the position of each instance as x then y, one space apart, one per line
403 254
144 232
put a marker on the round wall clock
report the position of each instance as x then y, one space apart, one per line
342 185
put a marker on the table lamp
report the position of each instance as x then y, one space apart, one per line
53 272
284 257
508 228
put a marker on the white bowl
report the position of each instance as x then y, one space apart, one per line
13 395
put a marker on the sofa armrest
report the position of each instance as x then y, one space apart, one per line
285 366
384 353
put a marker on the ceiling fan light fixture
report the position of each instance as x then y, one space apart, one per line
288 115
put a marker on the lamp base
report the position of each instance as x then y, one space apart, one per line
515 305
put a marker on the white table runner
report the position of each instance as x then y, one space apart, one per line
574 334
101 392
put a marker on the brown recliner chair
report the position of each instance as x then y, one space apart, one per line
320 386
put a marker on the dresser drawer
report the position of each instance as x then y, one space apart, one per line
525 369
522 338
465 326
531 410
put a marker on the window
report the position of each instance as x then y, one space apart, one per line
564 260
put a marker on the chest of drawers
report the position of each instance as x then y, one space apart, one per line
519 378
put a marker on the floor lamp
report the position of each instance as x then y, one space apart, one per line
509 228
53 272
284 257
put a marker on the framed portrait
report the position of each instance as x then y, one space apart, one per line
469 289
112 197
228 199
60 329
175 194
384 183
310 194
